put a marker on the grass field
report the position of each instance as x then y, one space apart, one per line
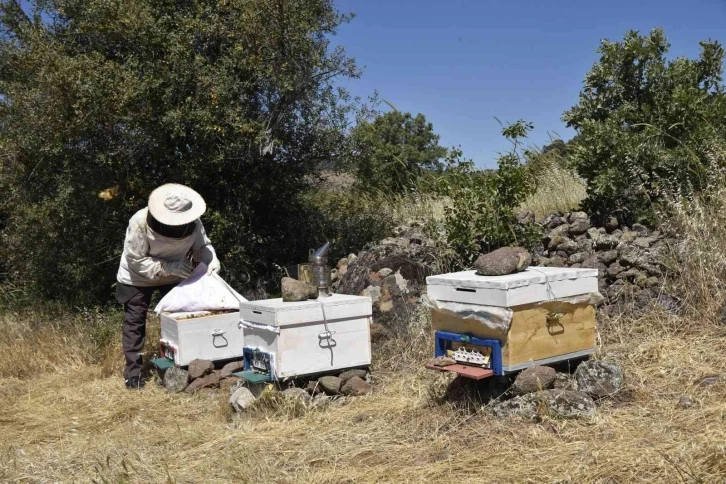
66 417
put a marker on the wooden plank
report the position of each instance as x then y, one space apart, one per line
535 334
472 372
444 322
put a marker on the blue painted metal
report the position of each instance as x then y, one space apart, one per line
443 340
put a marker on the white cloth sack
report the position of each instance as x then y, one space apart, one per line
198 293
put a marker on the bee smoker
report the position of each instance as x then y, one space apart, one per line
319 268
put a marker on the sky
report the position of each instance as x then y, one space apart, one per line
462 63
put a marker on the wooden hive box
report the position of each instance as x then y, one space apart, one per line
309 337
214 337
540 332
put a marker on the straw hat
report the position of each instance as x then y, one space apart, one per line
174 204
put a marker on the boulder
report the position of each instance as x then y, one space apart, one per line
629 236
506 260
575 216
295 393
578 257
563 230
611 224
294 290
320 400
533 379
241 399
608 257
556 403
564 381
208 381
526 217
198 368
330 384
556 241
175 379
385 272
313 387
232 367
229 382
568 247
558 261
642 242
599 379
347 375
641 230
356 386
579 227
373 292
552 221
614 270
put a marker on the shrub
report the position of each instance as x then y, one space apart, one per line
480 215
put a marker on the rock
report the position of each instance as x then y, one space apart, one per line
533 379
198 368
611 224
232 367
296 393
356 386
642 243
503 261
629 236
373 292
545 261
578 258
563 230
208 381
334 275
352 257
631 275
241 399
342 262
175 379
313 388
585 245
614 270
606 242
347 375
229 382
564 381
442 361
608 257
568 247
593 233
641 230
685 402
526 217
577 216
556 241
558 262
552 221
556 403
294 290
579 227
320 400
617 233
598 378
330 384
385 272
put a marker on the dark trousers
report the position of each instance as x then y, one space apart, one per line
136 302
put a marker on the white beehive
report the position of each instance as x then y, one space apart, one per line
307 337
214 337
533 285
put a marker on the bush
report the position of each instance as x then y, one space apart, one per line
480 214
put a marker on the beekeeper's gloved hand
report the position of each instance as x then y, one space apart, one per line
178 268
213 265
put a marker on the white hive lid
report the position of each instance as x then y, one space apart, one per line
531 275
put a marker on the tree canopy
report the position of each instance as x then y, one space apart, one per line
101 101
646 125
393 150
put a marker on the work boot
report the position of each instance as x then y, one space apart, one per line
135 383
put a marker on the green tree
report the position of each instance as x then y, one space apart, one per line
234 98
393 150
647 126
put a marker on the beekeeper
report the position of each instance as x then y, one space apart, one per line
161 241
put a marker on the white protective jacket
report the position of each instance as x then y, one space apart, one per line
145 250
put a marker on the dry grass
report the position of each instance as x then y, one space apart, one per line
73 422
558 190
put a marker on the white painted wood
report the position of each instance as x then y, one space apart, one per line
535 284
195 338
296 335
